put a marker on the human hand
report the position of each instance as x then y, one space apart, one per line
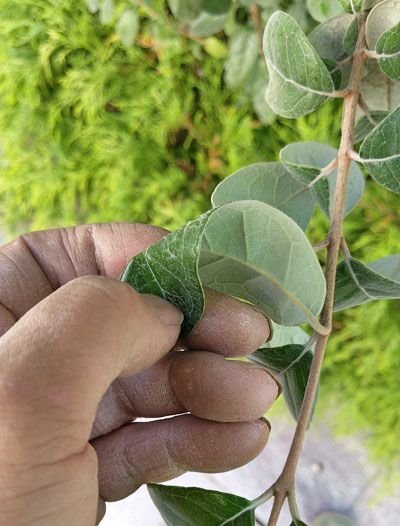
82 357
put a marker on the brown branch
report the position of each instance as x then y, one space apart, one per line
365 109
255 13
284 484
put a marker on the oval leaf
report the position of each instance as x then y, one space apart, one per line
388 46
216 7
380 152
230 249
200 507
327 38
127 26
291 365
206 24
242 58
378 91
357 283
366 124
183 10
270 183
322 10
299 81
106 11
350 38
305 161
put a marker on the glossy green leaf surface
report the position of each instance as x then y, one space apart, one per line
327 38
364 125
270 183
291 364
380 152
305 161
350 38
230 249
200 507
243 56
322 10
388 46
299 81
357 283
127 26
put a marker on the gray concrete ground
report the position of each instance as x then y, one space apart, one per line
333 476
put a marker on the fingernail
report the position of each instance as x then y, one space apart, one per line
267 422
255 366
168 313
271 329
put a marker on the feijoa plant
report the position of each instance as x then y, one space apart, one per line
252 244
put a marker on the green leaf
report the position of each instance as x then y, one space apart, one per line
236 242
106 11
350 38
183 10
380 152
286 335
200 507
351 5
378 90
206 24
389 44
383 16
127 26
365 125
299 80
216 7
243 56
357 283
93 5
291 364
322 10
215 47
305 161
272 184
255 86
336 74
297 522
327 38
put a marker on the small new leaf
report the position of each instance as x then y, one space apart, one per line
350 38
388 46
299 80
200 507
229 249
364 124
357 283
272 184
305 161
380 152
291 364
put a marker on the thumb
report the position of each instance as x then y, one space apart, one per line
58 360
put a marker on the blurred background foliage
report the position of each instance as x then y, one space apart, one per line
92 130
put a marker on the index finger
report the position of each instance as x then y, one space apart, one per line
35 264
